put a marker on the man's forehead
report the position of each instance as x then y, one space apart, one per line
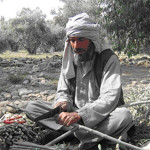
77 38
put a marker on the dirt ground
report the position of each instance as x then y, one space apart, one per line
133 74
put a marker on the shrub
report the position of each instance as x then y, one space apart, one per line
16 78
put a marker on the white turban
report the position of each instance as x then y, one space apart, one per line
81 25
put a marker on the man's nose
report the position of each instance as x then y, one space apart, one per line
76 44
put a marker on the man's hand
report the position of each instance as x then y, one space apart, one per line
68 119
63 105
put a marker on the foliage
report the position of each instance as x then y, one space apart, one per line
128 23
53 39
29 26
58 34
16 78
3 42
74 7
9 38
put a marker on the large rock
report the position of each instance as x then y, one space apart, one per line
6 95
24 91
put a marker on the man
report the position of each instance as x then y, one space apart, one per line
89 89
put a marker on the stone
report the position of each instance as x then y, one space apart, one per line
35 84
41 74
43 81
44 93
26 82
5 63
23 91
15 93
35 68
15 97
4 103
134 83
144 82
6 95
1 59
51 97
19 64
52 92
1 97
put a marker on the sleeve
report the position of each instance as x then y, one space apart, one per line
63 91
110 90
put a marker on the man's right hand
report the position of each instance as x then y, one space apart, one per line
63 105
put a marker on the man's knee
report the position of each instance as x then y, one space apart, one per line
31 105
124 115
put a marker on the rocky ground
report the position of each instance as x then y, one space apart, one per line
25 79
31 79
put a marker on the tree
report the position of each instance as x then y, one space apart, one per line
30 28
58 35
128 23
3 35
3 43
74 7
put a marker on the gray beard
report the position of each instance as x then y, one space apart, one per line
82 58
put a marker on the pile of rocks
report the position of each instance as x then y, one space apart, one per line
38 78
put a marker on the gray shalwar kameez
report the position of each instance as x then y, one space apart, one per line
96 104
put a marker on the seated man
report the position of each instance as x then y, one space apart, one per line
89 89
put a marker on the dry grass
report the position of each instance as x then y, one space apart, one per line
123 56
24 54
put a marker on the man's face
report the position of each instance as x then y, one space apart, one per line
82 48
79 44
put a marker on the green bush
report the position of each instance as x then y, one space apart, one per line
16 78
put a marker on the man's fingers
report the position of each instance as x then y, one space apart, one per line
68 119
62 117
70 122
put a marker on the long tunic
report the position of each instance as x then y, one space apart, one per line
93 102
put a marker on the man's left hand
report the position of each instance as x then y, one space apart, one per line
68 119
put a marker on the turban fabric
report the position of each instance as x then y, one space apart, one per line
81 25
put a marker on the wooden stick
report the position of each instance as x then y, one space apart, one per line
135 103
25 145
62 136
108 137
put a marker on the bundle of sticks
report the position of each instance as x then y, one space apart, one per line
30 146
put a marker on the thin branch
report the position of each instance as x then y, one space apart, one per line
135 103
108 137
